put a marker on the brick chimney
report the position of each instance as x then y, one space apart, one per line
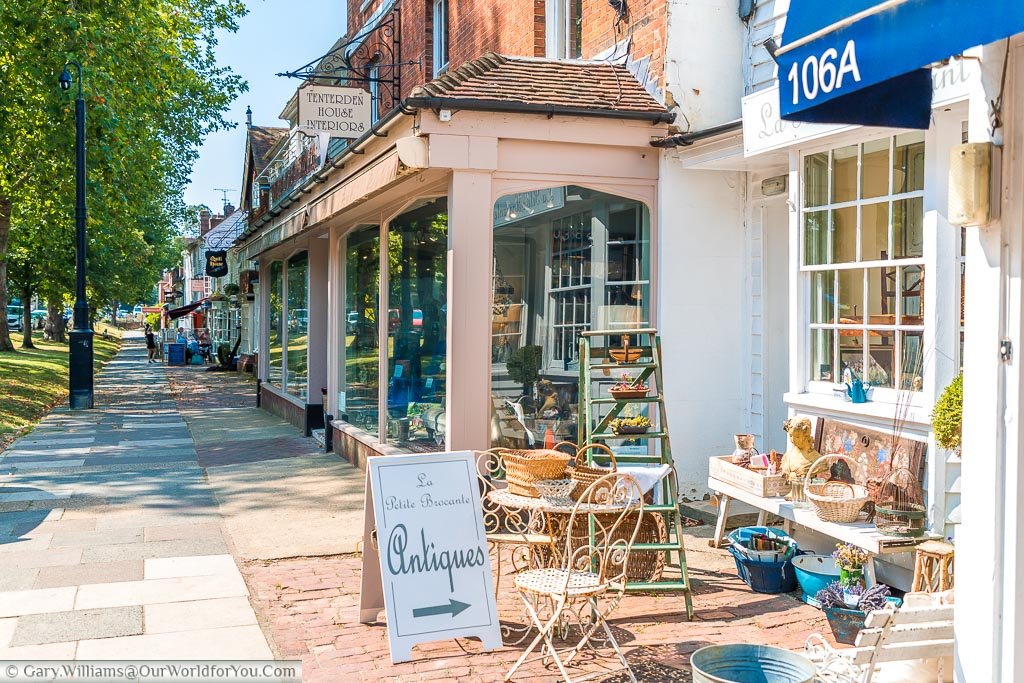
204 222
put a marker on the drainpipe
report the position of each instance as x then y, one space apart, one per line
687 139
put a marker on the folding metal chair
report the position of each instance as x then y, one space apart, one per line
591 580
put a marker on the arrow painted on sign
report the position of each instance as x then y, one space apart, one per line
454 608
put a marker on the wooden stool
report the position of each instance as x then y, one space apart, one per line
933 567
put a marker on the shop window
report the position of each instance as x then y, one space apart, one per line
360 382
440 36
863 232
297 335
566 260
417 320
275 343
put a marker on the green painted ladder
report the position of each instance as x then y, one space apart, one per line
596 363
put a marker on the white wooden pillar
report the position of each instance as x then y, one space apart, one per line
469 309
989 615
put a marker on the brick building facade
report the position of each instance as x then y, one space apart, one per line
587 29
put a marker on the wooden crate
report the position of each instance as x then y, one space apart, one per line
763 485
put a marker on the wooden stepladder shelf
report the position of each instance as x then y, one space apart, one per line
638 350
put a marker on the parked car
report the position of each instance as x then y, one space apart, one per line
14 318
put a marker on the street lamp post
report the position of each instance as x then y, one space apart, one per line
80 360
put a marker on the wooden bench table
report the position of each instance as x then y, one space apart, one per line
864 535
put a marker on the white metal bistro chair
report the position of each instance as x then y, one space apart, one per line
591 580
521 532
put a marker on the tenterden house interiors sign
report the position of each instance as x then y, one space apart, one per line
425 561
334 111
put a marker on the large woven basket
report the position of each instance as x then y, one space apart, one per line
645 566
584 475
835 501
523 467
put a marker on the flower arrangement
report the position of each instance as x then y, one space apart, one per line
850 559
630 425
628 383
865 599
849 556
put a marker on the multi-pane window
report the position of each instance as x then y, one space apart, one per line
862 219
571 246
440 36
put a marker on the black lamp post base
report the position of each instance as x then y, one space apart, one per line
80 369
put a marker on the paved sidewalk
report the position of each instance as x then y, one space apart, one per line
111 544
280 495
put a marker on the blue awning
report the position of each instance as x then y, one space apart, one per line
866 61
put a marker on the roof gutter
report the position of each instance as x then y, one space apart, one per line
549 110
687 139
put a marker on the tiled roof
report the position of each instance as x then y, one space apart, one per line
544 82
262 139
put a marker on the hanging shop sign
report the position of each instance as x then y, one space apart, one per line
217 263
425 557
198 284
764 130
334 111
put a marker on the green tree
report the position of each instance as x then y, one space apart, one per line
153 90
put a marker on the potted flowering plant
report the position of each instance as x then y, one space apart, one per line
631 425
850 559
629 387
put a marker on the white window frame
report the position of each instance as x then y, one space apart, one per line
440 37
557 29
878 394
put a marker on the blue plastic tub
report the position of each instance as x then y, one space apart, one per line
763 575
743 663
813 573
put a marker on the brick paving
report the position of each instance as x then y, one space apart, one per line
308 607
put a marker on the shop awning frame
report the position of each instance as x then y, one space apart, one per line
175 313
868 62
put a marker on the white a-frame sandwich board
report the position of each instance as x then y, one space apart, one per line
430 559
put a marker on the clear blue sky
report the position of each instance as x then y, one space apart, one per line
276 35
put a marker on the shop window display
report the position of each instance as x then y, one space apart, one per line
417 320
275 345
863 217
358 403
566 260
297 336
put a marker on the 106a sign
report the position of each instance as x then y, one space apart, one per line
823 73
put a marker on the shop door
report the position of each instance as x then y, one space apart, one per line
775 221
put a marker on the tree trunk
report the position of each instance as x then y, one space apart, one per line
26 320
57 324
5 231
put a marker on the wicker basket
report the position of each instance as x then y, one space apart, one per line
523 467
583 474
835 501
644 566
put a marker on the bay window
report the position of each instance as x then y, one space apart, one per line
862 217
566 260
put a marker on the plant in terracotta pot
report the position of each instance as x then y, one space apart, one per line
850 559
629 387
947 416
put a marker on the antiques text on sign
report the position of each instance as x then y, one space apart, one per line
434 570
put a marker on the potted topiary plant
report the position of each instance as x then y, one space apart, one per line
523 367
947 416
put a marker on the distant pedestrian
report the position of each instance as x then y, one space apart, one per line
151 344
